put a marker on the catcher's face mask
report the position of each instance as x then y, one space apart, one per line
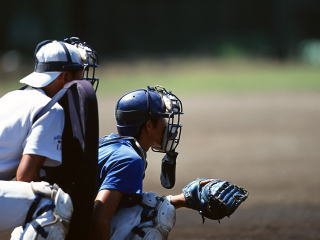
89 58
171 135
172 113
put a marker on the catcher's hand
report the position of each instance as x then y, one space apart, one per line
215 199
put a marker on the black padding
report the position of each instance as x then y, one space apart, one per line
49 66
168 170
78 173
57 67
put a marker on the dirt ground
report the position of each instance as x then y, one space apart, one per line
267 143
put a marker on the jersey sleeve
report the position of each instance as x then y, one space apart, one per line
123 172
45 136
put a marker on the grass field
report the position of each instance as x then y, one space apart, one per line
208 76
196 76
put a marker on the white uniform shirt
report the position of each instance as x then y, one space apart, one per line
19 136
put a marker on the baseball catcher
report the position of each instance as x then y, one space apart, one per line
150 119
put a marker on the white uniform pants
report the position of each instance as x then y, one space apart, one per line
15 201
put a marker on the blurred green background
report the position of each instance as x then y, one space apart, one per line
196 46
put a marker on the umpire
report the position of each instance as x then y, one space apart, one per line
27 146
37 132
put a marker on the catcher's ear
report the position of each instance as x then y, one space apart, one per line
151 128
146 131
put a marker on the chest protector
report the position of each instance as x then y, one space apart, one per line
77 175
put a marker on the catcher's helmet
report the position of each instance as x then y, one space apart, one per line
136 107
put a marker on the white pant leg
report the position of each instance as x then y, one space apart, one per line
15 201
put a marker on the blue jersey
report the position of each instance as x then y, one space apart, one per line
120 165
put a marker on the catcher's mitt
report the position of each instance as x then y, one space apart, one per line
214 200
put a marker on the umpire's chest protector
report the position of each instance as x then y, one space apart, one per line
78 173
